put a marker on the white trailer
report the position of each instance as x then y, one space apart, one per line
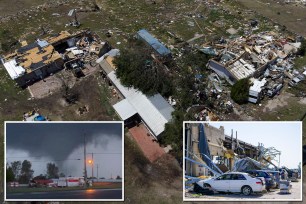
70 181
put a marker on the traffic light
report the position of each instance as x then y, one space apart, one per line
90 161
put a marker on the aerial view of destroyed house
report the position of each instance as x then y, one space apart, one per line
221 164
152 65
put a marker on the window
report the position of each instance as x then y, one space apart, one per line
262 174
241 177
224 177
238 177
251 175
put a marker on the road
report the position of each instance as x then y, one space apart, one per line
73 194
296 193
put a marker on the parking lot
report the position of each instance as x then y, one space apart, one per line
296 193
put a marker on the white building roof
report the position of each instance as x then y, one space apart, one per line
124 109
154 110
13 69
257 85
241 69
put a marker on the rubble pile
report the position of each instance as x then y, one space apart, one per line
267 56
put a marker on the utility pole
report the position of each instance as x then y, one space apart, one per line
92 165
85 171
97 171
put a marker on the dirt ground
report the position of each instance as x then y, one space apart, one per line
291 15
146 182
10 7
277 102
295 194
45 87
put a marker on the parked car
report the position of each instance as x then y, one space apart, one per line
269 178
276 175
234 182
32 184
292 174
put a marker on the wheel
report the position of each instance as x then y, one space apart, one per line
206 185
246 190
196 188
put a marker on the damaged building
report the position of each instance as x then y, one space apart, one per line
161 51
266 58
245 57
206 144
36 61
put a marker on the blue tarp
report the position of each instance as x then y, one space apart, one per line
204 150
203 146
39 118
153 42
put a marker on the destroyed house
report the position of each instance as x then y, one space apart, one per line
245 57
33 62
157 46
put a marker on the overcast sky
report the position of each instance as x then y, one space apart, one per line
63 144
285 137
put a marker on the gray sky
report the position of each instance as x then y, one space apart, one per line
62 143
285 137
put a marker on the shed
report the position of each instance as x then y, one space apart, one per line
153 42
154 110
124 109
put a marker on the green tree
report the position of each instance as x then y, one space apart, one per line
9 174
240 91
173 134
26 172
302 50
136 68
16 167
52 170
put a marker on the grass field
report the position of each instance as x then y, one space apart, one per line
291 15
11 7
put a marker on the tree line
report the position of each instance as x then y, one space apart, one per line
22 172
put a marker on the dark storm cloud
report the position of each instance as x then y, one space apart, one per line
58 140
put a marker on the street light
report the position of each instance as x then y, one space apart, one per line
91 162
